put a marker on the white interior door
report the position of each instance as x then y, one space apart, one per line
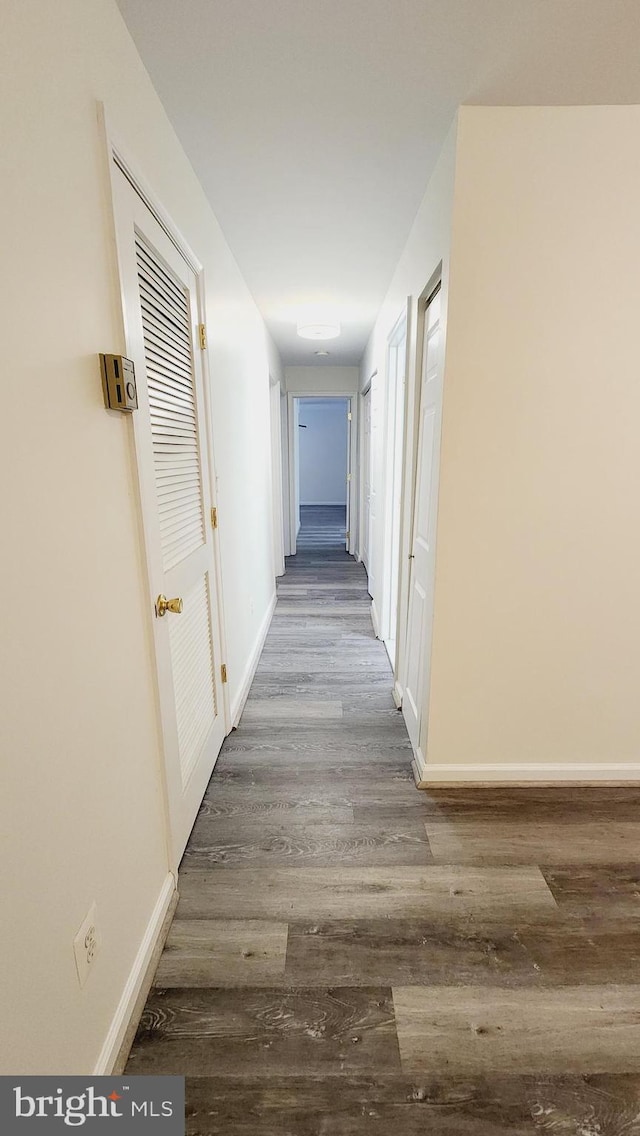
396 367
347 535
376 469
160 295
422 565
365 460
276 480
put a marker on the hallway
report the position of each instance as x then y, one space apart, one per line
351 956
321 526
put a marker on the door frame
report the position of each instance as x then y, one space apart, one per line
400 329
119 162
277 492
352 511
362 394
415 345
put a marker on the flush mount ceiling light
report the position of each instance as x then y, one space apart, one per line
308 330
321 353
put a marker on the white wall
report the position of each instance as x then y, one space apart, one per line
82 813
323 451
321 380
537 605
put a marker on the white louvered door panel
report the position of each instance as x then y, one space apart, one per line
166 322
172 450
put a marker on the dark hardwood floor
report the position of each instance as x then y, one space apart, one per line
351 957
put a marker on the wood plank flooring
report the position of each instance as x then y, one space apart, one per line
351 957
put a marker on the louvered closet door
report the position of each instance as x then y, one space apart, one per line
173 461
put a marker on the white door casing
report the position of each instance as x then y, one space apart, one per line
348 526
286 490
422 564
292 451
276 479
172 443
394 453
365 474
376 500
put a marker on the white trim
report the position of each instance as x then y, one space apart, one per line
393 461
413 376
548 773
374 619
353 511
118 153
418 766
275 434
126 1006
237 705
397 693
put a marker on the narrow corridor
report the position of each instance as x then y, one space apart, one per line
351 957
321 526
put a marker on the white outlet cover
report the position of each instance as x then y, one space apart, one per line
87 944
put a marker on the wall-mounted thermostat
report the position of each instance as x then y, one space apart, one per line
119 383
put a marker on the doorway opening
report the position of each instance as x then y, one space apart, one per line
396 368
320 473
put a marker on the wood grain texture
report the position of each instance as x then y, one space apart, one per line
308 893
266 1032
591 1105
292 708
216 952
357 1105
258 806
597 891
429 951
527 841
319 844
364 892
476 1030
341 777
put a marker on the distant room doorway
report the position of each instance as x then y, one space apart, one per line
321 472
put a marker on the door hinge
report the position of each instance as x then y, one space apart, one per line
347 536
348 477
214 518
349 416
223 672
202 336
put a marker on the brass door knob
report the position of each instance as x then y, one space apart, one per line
163 605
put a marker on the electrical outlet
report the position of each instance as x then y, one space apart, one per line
86 944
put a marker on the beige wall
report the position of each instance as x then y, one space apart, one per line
81 802
537 605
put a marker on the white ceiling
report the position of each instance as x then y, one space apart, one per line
314 126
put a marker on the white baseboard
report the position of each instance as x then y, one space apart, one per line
397 694
418 766
374 619
126 1006
237 705
538 773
